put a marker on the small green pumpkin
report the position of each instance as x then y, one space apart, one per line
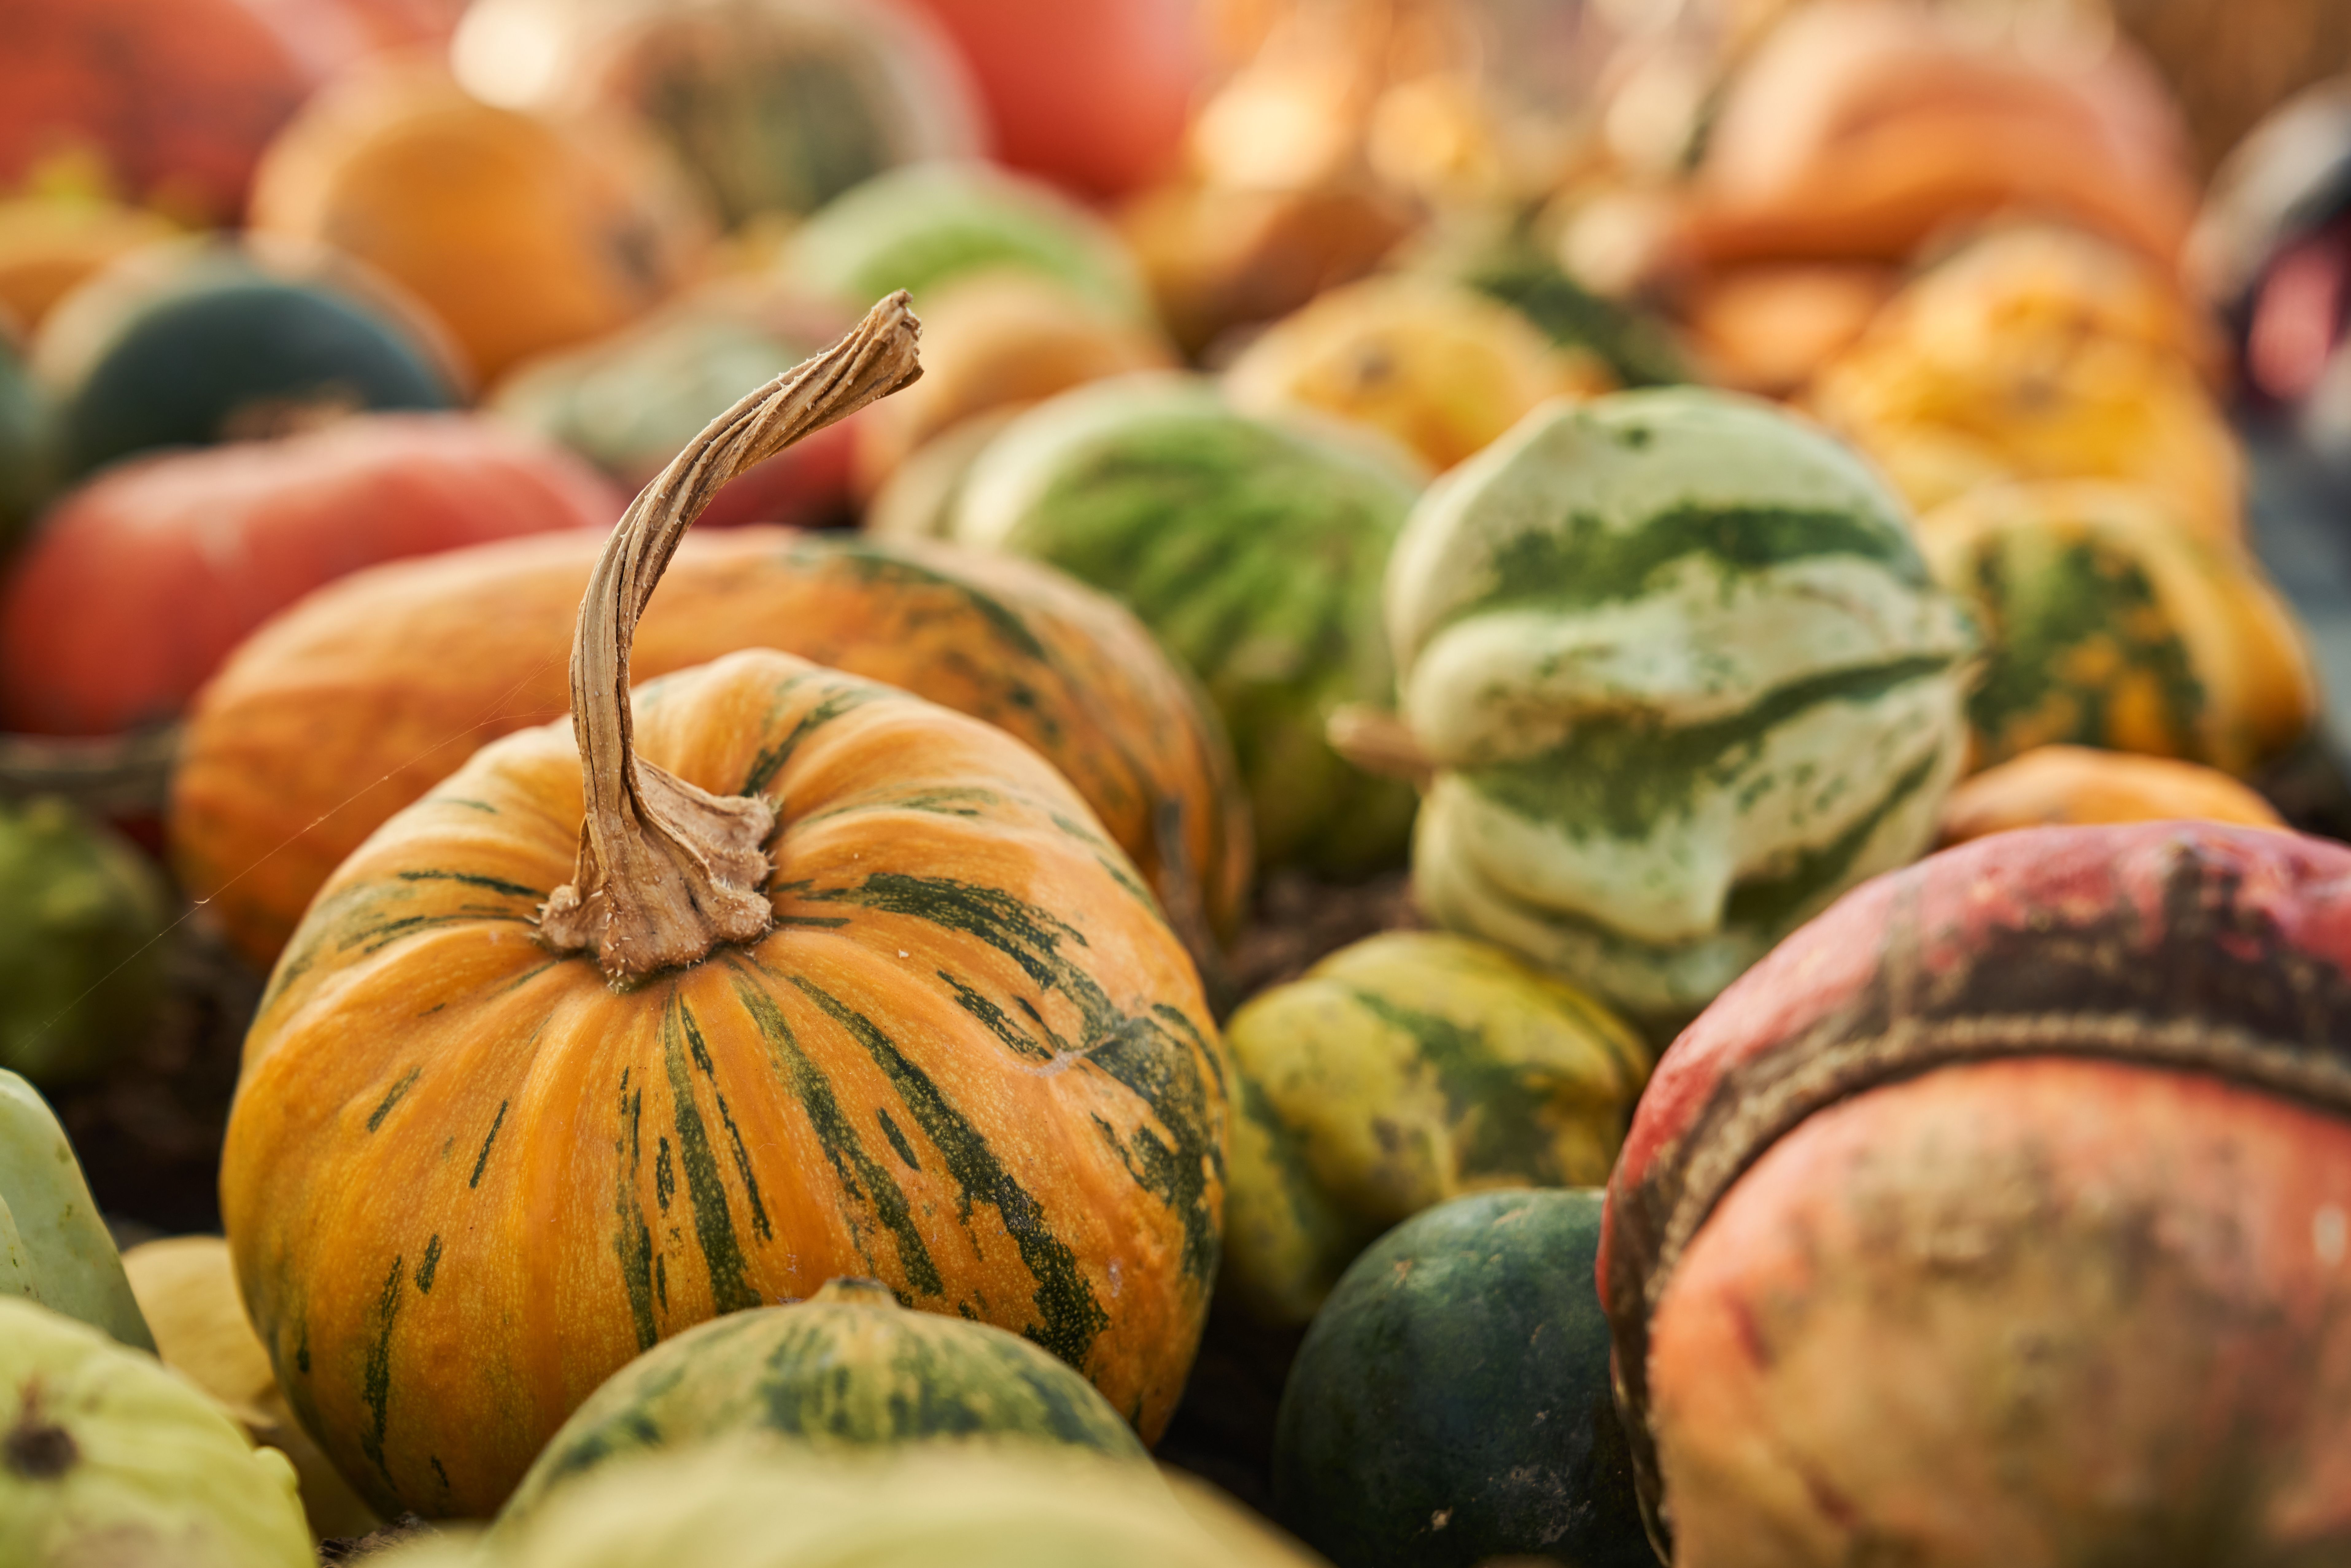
1253 548
1452 1403
1683 678
1397 1074
849 1369
82 918
53 1246
108 1459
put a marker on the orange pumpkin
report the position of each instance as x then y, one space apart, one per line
176 98
523 235
367 695
637 1022
2055 786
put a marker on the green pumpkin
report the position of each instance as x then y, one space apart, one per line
221 351
82 918
745 1503
106 1457
54 1248
1452 1402
24 447
849 1369
1683 678
916 227
1253 549
1396 1075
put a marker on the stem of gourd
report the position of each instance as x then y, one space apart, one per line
668 871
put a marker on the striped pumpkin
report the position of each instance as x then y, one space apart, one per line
1253 548
1396 1074
365 696
2110 625
848 1368
635 1021
1684 677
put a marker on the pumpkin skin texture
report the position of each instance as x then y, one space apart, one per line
177 99
1396 1075
1683 678
847 1369
768 1505
466 1181
2051 786
106 1458
1879 1284
239 359
555 234
83 915
2108 626
139 584
1253 549
360 699
54 1249
1451 1403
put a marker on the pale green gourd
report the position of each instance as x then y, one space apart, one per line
54 1248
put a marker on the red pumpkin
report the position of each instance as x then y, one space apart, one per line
139 584
176 96
1091 95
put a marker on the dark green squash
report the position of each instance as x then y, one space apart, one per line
849 1369
83 917
24 459
1451 1403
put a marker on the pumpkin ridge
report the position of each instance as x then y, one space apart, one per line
1071 1316
705 1188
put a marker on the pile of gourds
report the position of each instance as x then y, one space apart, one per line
754 609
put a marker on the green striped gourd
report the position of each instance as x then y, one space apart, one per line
1684 677
53 1246
1253 548
109 1460
1397 1074
849 1369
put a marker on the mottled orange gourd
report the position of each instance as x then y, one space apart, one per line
959 1050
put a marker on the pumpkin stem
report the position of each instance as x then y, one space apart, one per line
668 871
1380 742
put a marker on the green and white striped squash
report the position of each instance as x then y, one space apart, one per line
1683 678
848 1369
1397 1074
1253 548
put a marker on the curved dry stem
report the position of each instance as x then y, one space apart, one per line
668 871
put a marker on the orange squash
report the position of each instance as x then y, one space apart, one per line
2055 786
522 234
368 694
636 1021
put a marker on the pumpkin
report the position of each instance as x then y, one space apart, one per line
54 1247
1451 1404
1439 366
1399 1074
50 242
361 699
1858 131
627 402
106 1458
2110 625
187 1290
176 100
893 1005
82 917
768 1505
1683 677
1092 97
241 358
847 1369
24 463
919 498
521 233
917 227
1637 349
1253 548
1000 340
1998 1217
2050 785
2038 355
779 105
139 584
